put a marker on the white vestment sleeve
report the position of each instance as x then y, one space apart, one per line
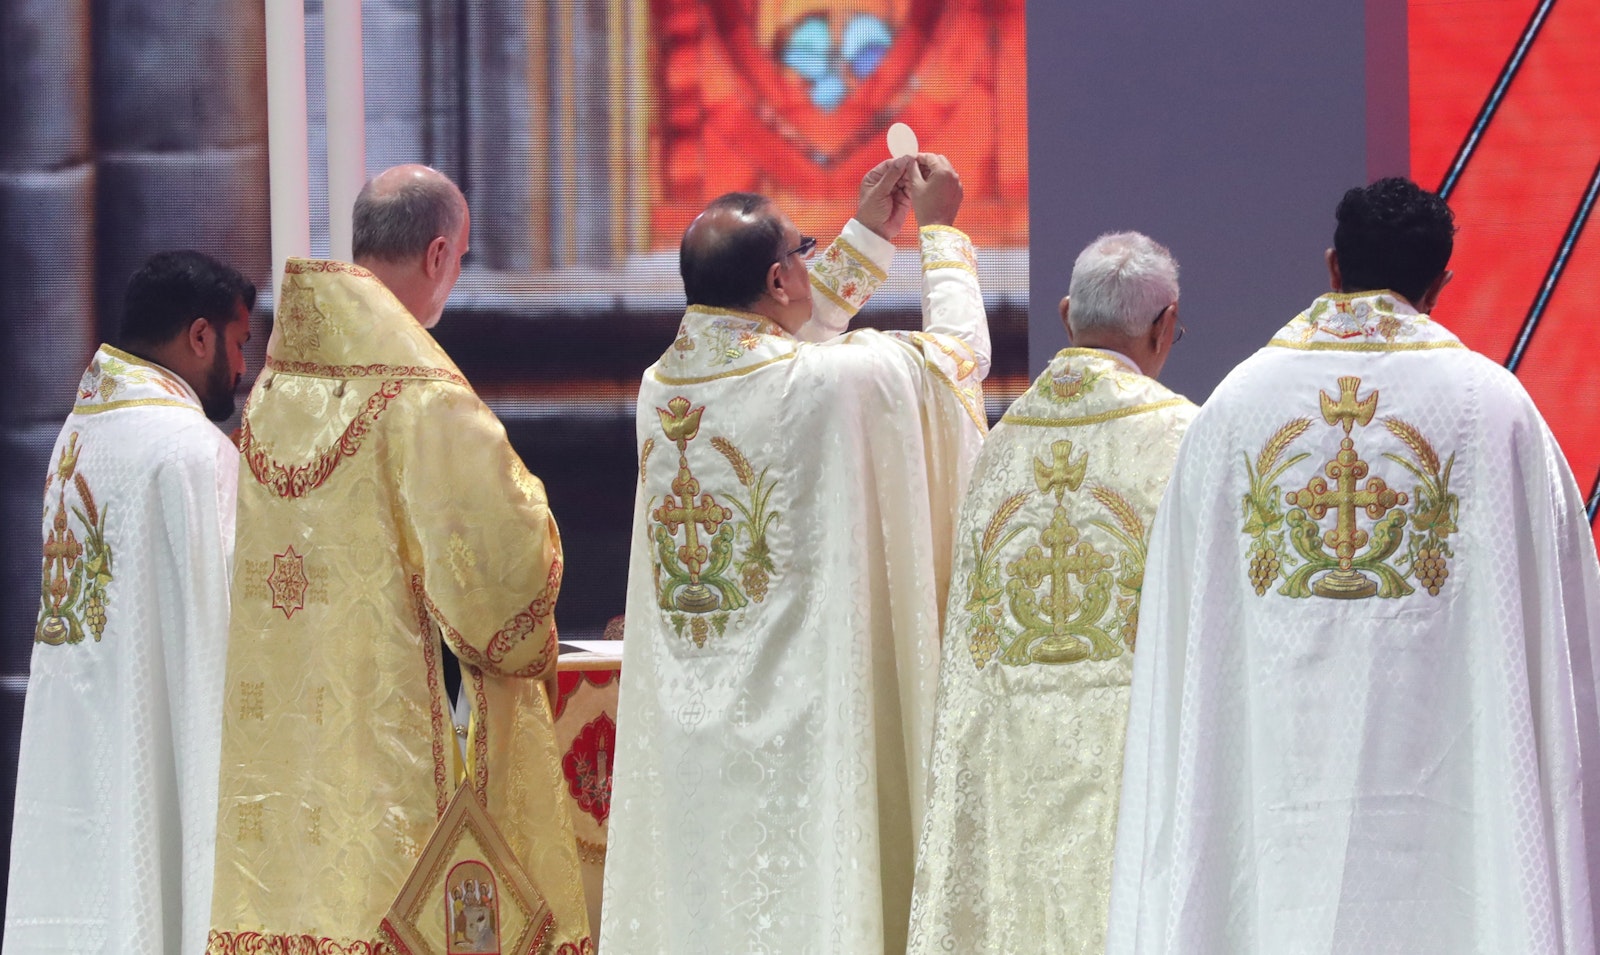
952 303
837 293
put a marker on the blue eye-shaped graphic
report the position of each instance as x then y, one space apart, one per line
810 52
809 49
866 40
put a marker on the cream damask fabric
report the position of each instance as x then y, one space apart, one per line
111 845
791 535
1015 855
1364 702
380 508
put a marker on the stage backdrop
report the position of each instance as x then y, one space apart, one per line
1229 130
585 133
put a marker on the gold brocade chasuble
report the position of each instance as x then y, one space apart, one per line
380 508
1015 855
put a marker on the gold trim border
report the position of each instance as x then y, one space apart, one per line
834 297
1112 415
863 258
1362 346
737 372
948 264
134 403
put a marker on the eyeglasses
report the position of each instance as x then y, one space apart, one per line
1176 338
807 244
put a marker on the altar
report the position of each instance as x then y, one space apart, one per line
588 676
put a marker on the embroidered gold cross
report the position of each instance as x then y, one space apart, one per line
681 426
1068 557
1346 497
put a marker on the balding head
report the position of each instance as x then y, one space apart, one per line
728 249
402 210
411 230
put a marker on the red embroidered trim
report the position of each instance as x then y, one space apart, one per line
542 934
481 739
529 620
297 480
512 633
255 943
569 681
302 266
581 947
364 371
441 786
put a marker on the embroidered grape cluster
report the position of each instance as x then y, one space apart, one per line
755 580
984 641
1263 568
1431 569
94 615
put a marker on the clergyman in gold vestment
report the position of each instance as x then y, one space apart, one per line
380 508
1039 633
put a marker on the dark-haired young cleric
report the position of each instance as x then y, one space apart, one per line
1364 699
112 841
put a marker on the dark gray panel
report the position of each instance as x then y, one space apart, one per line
44 83
1227 130
46 290
212 200
179 74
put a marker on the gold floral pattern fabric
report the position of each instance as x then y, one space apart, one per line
382 511
1043 610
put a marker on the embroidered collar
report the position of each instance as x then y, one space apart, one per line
1085 386
1363 321
720 342
337 320
116 379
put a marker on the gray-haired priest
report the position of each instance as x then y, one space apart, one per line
1044 603
792 537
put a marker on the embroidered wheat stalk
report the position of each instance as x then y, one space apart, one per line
1414 440
89 510
1121 509
644 455
1280 440
1008 509
741 465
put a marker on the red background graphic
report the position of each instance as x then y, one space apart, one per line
733 119
1518 193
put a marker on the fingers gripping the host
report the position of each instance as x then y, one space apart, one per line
925 182
935 189
885 197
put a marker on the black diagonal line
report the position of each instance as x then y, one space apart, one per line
1594 499
1580 218
1496 95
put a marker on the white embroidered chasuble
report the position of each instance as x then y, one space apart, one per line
112 840
1363 714
1015 854
792 538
